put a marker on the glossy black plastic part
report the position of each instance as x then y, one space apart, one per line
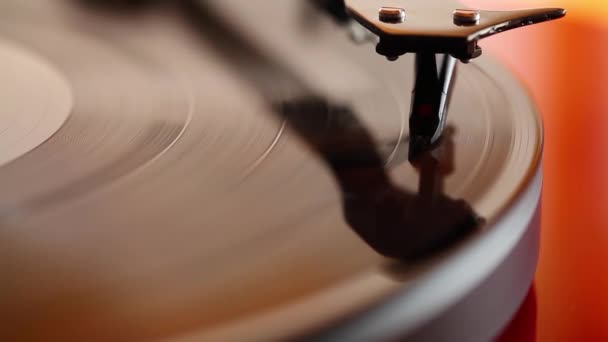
430 101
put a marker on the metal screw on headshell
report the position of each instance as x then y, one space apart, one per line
392 15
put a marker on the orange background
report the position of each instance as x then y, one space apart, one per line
565 65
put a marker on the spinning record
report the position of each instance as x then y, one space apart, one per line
238 170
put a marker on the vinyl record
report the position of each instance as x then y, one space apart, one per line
232 170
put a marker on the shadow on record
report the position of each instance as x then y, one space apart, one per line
395 222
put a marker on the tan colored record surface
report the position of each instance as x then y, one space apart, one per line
175 202
36 101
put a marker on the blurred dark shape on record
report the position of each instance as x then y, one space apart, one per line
395 222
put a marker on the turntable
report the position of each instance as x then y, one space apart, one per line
231 170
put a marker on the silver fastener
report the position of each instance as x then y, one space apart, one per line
466 17
391 14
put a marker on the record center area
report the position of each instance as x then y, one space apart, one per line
36 101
